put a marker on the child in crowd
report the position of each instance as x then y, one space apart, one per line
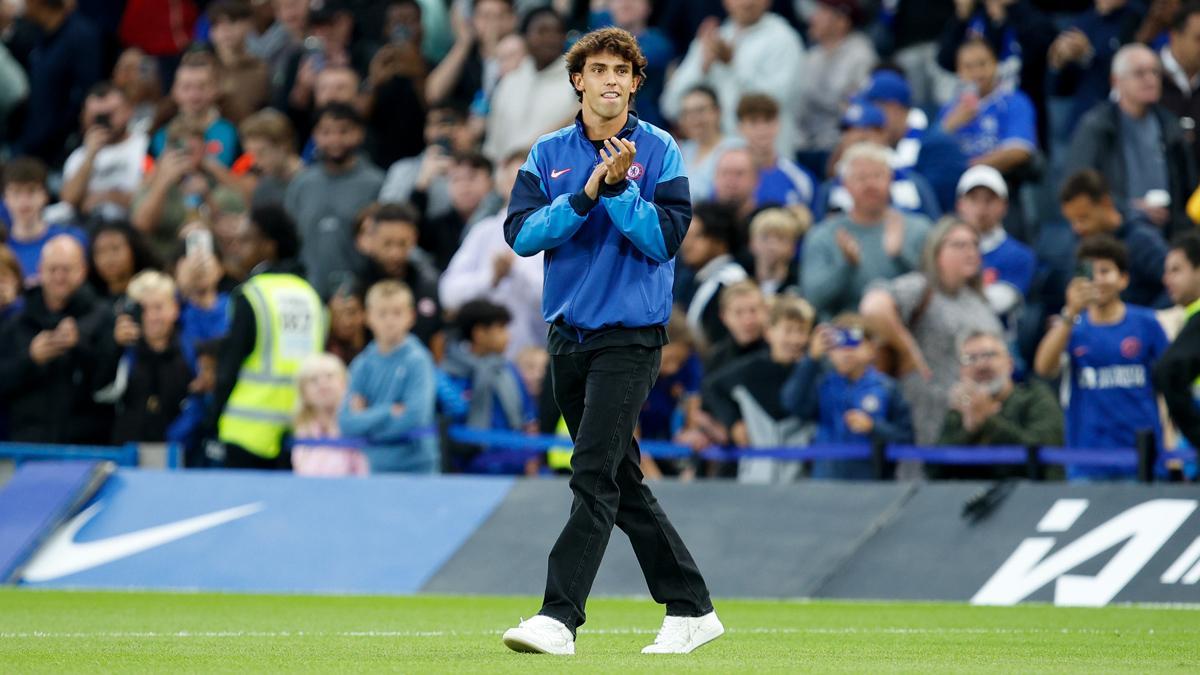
390 402
347 322
25 196
532 363
774 235
744 313
117 253
744 396
1110 348
837 387
322 386
144 362
496 394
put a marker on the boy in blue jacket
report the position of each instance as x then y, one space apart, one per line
390 400
607 200
838 387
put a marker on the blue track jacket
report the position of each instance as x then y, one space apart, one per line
608 262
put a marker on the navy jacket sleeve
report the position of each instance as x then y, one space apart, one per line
1173 376
534 222
234 349
655 227
800 395
897 427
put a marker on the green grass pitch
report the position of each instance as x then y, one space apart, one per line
45 631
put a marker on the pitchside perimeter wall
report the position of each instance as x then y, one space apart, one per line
248 531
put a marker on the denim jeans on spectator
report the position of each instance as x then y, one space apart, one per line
600 393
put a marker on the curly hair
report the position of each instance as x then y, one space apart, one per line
612 40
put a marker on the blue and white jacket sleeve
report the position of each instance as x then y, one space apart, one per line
656 227
534 223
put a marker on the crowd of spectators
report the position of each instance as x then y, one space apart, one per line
950 222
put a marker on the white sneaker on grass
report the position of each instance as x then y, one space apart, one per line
683 634
541 635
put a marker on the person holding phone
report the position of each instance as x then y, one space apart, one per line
184 186
103 174
1109 348
838 387
144 363
204 309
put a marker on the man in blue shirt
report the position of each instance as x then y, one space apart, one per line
606 199
1110 347
1008 265
25 196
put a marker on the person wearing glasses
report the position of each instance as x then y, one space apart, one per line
920 317
988 408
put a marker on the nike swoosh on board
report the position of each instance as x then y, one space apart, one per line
62 555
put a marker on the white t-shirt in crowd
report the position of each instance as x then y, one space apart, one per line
117 167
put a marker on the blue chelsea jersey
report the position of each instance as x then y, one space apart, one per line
1111 393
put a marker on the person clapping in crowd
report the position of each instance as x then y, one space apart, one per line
988 408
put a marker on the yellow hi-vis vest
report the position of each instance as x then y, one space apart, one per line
559 457
289 327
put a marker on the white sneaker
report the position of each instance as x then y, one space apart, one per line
683 634
541 635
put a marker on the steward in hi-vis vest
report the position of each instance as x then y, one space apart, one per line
277 321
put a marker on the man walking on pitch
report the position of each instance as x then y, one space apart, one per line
607 200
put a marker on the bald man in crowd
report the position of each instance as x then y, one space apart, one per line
1138 145
47 374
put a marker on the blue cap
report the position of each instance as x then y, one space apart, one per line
848 338
890 87
862 115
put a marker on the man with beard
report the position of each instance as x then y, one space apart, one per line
387 240
988 408
326 197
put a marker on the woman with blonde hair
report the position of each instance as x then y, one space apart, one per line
317 451
922 316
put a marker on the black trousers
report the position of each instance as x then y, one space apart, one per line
600 394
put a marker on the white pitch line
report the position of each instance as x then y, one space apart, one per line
584 632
